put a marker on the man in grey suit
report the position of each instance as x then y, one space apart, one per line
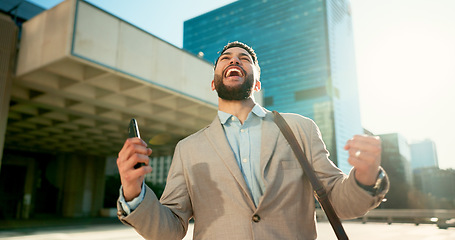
238 177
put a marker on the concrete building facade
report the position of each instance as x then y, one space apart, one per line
79 76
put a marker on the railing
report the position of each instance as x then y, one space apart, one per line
416 216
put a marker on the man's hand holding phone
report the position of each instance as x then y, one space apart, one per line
133 163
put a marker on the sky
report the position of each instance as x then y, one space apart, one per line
405 54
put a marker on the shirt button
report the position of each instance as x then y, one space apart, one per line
233 118
256 218
245 160
242 130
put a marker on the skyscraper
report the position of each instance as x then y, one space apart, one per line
423 154
306 53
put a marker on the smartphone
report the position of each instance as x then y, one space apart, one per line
133 131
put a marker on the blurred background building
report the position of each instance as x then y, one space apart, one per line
306 53
424 154
396 160
437 185
424 186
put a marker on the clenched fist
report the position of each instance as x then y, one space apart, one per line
365 157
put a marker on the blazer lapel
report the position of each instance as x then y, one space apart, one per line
270 133
217 139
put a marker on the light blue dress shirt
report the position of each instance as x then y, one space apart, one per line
245 142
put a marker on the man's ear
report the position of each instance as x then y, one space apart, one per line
257 86
213 85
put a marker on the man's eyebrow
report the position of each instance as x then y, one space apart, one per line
241 54
226 53
245 54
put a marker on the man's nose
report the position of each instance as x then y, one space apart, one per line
234 60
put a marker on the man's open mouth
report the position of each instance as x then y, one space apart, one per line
233 72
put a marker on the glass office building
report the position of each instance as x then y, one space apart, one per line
306 53
424 154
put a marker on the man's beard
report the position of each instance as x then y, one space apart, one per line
241 92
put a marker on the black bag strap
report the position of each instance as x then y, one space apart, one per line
319 189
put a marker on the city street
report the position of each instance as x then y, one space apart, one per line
355 230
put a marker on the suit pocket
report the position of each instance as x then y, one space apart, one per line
290 164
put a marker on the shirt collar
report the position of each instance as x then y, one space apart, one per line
257 110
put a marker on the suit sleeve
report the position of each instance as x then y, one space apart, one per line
167 218
347 197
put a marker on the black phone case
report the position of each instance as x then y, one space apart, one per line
133 131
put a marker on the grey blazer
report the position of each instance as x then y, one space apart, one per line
205 183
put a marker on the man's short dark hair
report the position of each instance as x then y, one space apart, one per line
244 46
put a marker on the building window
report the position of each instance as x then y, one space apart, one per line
268 101
310 93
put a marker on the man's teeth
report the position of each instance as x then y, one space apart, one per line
233 70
